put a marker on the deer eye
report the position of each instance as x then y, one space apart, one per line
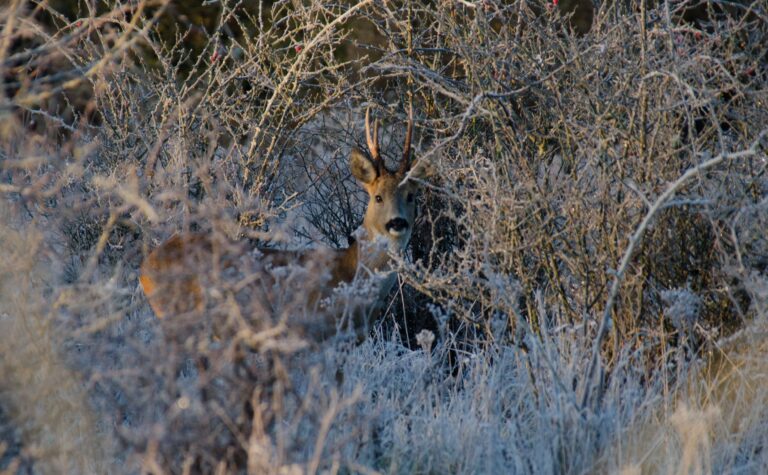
379 199
410 197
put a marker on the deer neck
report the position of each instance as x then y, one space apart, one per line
374 262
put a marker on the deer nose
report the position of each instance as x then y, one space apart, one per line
396 224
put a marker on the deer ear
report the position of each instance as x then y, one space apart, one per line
362 167
421 170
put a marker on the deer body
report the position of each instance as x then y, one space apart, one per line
180 276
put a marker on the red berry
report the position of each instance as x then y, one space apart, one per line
298 48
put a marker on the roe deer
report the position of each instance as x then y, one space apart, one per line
177 276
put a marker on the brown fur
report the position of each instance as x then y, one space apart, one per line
169 275
176 274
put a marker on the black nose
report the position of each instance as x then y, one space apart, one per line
397 224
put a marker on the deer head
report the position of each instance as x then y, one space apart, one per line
392 199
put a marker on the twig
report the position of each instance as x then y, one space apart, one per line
634 240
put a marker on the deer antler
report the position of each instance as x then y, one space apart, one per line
373 141
405 163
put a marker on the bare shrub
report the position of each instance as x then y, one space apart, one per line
595 225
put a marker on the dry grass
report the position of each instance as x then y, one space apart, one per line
593 237
46 400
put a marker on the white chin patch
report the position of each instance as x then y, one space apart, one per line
396 234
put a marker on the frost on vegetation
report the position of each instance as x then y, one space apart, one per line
756 283
114 137
682 308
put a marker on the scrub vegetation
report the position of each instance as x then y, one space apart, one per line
585 289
